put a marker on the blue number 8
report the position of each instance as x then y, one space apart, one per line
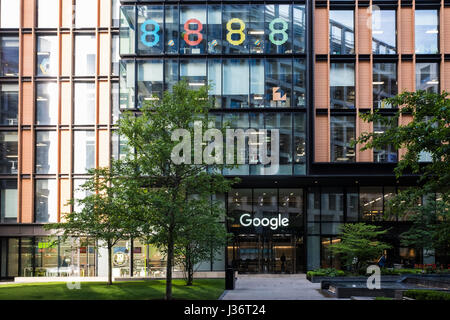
146 33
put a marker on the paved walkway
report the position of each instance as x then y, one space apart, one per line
275 287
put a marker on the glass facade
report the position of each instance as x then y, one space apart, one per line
9 102
427 31
342 85
45 200
8 152
8 201
427 76
46 103
47 56
384 83
342 130
84 158
46 152
388 153
9 56
342 32
384 31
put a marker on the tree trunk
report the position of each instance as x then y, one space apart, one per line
190 267
169 265
109 264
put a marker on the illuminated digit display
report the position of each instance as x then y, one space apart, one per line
146 33
234 36
195 32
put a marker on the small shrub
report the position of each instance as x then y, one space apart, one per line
383 298
328 272
427 295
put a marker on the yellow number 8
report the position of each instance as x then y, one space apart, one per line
236 31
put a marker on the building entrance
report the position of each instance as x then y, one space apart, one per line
267 253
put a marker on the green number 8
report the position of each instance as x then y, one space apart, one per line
278 31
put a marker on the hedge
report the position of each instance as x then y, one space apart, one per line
427 295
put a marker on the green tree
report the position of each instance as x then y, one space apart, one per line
428 132
164 195
359 245
104 214
196 243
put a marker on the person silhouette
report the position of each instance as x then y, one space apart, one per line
283 260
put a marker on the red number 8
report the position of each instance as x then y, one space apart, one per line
196 32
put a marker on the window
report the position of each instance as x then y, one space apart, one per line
150 81
46 103
236 17
171 29
192 26
8 104
299 83
85 14
342 132
278 29
84 145
115 57
384 31
115 8
8 201
84 103
47 56
9 14
46 201
299 144
342 85
127 30
427 77
85 53
332 206
127 84
46 152
384 83
236 86
47 13
427 31
8 152
150 22
388 153
9 56
278 82
371 203
194 72
115 111
342 38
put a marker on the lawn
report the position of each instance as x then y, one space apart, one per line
203 289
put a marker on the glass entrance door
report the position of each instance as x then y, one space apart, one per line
267 253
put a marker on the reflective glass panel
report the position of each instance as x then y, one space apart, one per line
47 56
47 13
8 201
9 56
8 152
84 151
342 38
384 83
85 55
45 201
342 132
46 152
384 31
84 103
46 103
427 31
427 76
8 103
342 85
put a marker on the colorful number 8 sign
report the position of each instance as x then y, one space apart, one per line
196 32
153 33
235 31
278 31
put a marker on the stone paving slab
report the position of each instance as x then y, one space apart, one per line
276 287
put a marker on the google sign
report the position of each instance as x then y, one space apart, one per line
246 220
